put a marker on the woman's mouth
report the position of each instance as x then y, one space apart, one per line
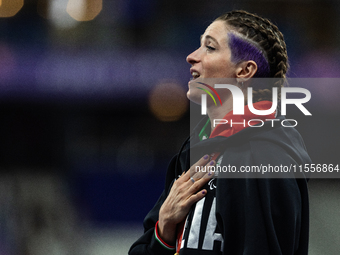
195 75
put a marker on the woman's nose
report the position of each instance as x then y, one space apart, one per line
193 57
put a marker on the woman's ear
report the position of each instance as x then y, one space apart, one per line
246 70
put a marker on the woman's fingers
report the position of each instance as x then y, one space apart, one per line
196 197
195 180
200 163
186 191
203 171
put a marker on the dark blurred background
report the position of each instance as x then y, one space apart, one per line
93 107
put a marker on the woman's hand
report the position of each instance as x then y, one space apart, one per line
184 192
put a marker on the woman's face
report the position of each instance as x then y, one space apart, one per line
212 59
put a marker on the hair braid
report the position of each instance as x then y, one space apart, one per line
268 38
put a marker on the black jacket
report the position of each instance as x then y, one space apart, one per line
244 215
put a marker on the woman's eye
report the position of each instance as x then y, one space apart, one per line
210 48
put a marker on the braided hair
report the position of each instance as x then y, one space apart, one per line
270 54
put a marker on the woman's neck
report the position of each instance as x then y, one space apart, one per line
218 112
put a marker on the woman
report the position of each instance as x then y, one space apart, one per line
199 213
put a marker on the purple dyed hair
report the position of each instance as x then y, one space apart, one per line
242 50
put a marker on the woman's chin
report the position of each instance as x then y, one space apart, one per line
194 98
